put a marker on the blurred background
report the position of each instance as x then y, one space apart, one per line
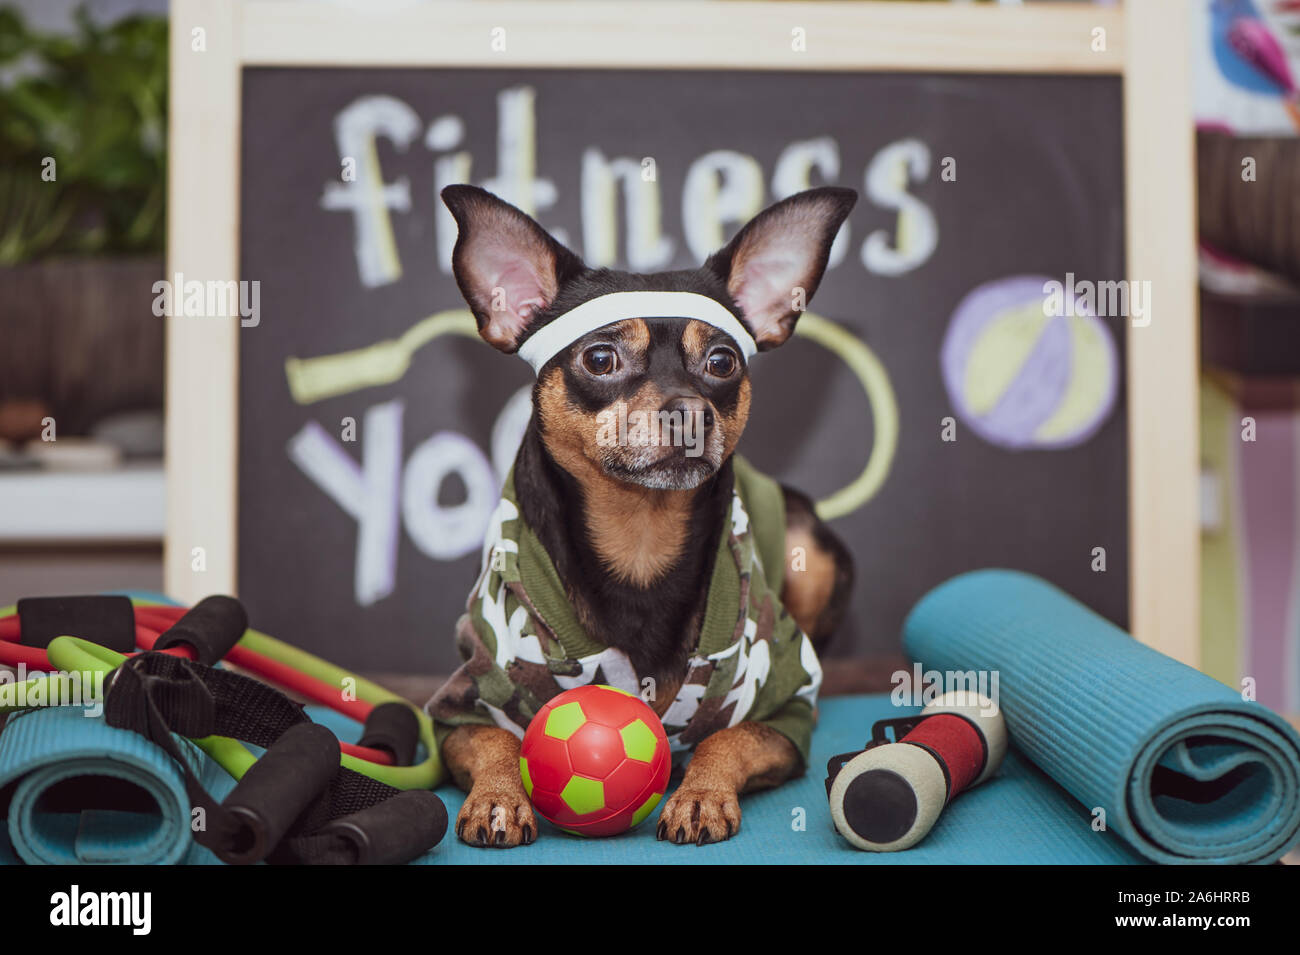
82 352
87 85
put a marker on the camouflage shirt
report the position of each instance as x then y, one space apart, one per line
522 644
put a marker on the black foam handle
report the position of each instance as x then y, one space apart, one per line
107 621
394 831
277 788
212 626
393 727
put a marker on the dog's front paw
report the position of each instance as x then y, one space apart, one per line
497 817
700 816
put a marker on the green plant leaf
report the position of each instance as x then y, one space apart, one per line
95 102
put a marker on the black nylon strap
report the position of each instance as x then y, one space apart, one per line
156 695
129 704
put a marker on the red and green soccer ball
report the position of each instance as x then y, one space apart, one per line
595 761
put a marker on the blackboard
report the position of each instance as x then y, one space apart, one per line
1008 180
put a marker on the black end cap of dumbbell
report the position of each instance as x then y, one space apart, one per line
107 621
393 728
880 806
394 831
295 771
212 626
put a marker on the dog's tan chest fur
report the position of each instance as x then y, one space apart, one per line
639 534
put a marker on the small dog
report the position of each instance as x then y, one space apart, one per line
630 546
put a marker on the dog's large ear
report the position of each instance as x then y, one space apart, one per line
507 266
775 263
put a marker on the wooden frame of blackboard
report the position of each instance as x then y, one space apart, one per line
1144 43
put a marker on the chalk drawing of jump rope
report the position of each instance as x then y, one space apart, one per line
385 362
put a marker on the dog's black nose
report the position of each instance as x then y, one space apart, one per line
677 412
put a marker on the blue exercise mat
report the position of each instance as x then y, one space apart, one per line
79 791
1185 770
1018 816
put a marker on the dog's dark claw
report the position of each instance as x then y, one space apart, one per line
528 835
481 836
704 839
662 832
729 831
460 825
501 837
681 835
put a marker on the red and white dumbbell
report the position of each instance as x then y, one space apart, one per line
889 796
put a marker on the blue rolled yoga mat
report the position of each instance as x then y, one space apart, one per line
1185 770
82 792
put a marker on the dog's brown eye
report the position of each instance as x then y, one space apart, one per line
600 360
722 363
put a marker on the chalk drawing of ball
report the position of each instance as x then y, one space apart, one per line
1022 378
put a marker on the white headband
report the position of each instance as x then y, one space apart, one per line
558 334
